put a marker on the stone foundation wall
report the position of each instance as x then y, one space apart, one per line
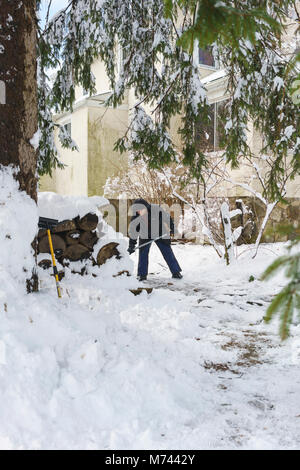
282 215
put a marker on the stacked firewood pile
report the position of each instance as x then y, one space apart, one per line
75 240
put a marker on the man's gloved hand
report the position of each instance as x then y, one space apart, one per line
131 250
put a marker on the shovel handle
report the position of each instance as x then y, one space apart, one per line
55 272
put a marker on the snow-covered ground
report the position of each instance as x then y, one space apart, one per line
189 366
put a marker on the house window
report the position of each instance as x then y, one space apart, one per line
210 134
122 55
121 58
206 57
68 127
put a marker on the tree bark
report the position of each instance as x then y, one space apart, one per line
270 207
228 239
18 79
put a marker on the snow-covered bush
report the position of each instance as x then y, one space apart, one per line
140 181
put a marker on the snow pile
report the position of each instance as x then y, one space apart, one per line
18 222
56 206
190 366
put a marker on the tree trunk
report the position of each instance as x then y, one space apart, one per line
228 238
270 207
18 96
18 100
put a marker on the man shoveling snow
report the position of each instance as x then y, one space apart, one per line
150 223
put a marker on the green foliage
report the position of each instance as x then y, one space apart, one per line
157 39
247 39
169 8
215 21
62 46
286 304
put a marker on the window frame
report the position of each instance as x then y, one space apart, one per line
216 136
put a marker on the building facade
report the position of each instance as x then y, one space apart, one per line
95 129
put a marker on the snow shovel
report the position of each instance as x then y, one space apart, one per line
49 224
151 241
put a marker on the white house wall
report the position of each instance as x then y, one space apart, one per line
73 180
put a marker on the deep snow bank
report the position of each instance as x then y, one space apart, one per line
191 366
18 222
52 350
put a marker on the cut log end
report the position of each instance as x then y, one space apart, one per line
73 237
107 252
59 245
88 223
88 239
65 226
77 252
45 264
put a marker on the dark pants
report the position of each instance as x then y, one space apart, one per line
167 253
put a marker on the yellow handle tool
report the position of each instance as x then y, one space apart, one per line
54 264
